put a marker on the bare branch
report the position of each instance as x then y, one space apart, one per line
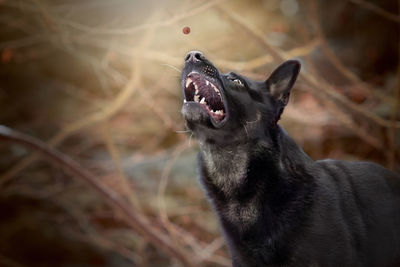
377 10
137 221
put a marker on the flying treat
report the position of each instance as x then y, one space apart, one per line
186 30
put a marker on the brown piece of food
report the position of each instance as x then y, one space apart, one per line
186 30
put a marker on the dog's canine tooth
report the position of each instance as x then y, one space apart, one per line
188 82
203 101
207 82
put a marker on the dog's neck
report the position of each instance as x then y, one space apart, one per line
228 165
290 154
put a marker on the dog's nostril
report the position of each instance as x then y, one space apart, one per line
187 57
194 56
198 56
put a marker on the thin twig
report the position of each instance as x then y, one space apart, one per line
345 118
122 179
163 185
377 10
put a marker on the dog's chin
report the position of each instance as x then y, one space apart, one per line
195 114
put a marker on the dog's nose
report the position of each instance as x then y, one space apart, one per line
194 56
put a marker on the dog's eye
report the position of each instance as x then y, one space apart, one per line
238 81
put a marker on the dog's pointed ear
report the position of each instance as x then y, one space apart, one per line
281 81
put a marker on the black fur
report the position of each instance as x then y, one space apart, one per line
276 206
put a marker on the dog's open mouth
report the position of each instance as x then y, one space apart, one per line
206 93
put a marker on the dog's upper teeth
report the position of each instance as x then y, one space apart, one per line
195 86
216 89
203 101
207 82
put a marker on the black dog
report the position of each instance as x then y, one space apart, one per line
276 206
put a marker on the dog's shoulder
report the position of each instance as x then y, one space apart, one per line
358 171
364 184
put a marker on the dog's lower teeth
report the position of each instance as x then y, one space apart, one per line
196 98
203 100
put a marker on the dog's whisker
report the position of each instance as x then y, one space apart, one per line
190 139
172 67
247 133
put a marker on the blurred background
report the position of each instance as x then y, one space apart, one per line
99 81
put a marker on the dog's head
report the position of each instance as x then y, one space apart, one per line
230 107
